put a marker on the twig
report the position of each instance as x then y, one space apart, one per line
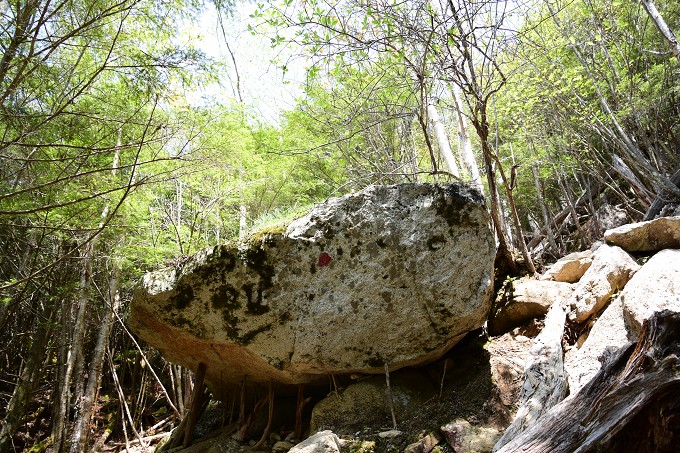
441 384
390 396
335 386
270 419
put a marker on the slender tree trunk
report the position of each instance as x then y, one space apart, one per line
661 25
29 378
81 431
442 140
74 349
544 209
561 180
465 143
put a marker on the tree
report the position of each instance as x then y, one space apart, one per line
79 97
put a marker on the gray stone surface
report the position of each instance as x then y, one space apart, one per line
393 274
658 234
321 442
463 437
366 403
570 268
611 269
524 300
655 287
608 335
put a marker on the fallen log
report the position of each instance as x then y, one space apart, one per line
632 404
545 382
562 216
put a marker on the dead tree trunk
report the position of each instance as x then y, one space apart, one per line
545 382
630 405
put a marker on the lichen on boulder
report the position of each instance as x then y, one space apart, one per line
392 274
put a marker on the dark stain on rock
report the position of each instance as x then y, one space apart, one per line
286 317
182 321
184 294
381 243
225 297
230 323
375 361
254 305
339 251
355 305
312 269
256 260
250 336
454 204
435 242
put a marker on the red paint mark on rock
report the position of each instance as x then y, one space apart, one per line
324 259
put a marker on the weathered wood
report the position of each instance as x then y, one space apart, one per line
562 215
545 382
270 419
661 200
299 406
630 405
196 405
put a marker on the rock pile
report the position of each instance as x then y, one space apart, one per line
610 300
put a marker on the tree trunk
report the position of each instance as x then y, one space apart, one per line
81 430
661 25
630 405
196 405
442 140
544 209
661 200
29 379
74 351
545 381
465 144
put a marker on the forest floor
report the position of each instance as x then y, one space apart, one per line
480 385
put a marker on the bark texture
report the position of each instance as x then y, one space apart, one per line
630 405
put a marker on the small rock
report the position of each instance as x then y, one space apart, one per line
321 442
391 434
570 268
658 234
282 446
464 438
424 445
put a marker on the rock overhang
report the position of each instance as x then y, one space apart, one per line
392 274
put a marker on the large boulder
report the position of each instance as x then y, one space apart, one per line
392 274
611 269
655 287
658 234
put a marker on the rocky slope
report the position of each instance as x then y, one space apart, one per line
597 302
